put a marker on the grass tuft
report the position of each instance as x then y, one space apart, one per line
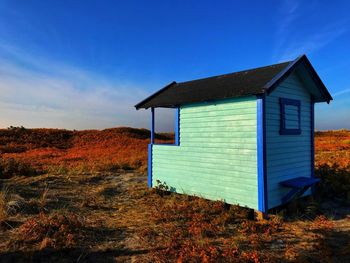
56 230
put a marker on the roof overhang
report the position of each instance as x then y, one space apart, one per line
141 103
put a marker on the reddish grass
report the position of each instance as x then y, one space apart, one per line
123 147
116 148
332 148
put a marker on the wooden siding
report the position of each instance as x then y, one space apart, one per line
288 156
217 156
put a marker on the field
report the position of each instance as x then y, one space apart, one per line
81 196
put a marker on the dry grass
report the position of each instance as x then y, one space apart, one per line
9 204
332 161
74 214
3 206
57 230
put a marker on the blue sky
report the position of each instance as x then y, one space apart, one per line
84 64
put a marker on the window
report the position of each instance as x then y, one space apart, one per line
163 120
290 117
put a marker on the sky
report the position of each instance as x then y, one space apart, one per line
84 64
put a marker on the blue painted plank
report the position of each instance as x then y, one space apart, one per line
150 146
288 155
177 126
300 182
299 186
261 152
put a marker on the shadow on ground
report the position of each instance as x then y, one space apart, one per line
70 255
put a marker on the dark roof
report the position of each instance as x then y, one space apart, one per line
243 83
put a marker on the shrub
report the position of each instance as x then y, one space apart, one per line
161 188
36 138
335 181
192 229
12 149
11 167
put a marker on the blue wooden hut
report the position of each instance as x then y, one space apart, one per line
245 138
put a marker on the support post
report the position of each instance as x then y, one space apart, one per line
150 150
152 125
312 133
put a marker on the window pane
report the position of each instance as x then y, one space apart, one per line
291 117
164 125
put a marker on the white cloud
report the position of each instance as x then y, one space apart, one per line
36 92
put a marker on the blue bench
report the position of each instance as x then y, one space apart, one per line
299 186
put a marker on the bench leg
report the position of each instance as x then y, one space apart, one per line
289 196
294 193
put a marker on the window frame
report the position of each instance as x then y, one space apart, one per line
283 103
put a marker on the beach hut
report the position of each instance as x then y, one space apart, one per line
246 138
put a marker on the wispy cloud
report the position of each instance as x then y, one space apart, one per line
36 92
288 10
292 39
341 92
312 43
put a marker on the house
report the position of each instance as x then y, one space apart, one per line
245 138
